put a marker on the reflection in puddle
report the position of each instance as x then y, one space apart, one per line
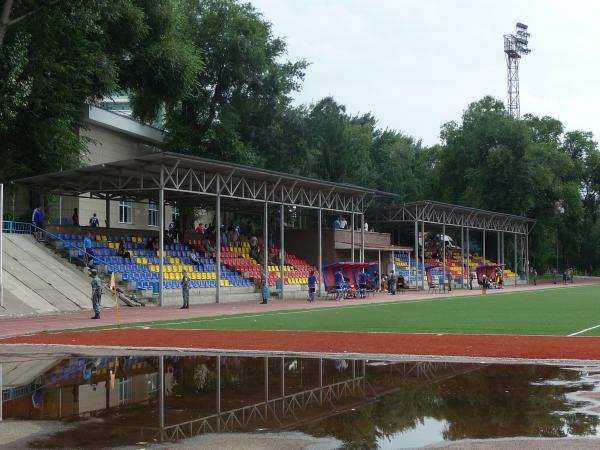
124 400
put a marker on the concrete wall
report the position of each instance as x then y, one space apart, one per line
108 145
304 243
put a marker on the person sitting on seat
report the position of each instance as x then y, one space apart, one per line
194 258
208 247
121 250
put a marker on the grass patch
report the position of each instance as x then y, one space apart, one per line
543 312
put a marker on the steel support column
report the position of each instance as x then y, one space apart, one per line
416 256
468 257
320 257
281 247
462 255
218 240
379 262
321 381
516 261
266 367
161 243
484 233
218 392
498 259
422 262
266 238
352 226
502 252
107 211
444 253
362 238
527 257
161 395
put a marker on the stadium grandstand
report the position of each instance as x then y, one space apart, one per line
284 255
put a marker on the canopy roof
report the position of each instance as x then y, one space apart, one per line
439 213
184 176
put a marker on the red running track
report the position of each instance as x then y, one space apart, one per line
493 346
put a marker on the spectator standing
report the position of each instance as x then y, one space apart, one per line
366 226
450 278
337 223
343 223
200 229
88 254
339 283
472 276
224 240
484 284
208 247
172 229
185 290
37 218
266 292
234 236
362 284
534 276
392 283
554 276
96 293
94 222
75 217
312 286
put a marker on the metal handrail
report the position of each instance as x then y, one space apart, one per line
14 227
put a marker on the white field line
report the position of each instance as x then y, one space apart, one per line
584 331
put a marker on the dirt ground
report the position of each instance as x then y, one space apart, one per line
455 345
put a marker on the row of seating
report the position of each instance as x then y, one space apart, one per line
194 284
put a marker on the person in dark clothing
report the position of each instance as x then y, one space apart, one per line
339 284
75 217
312 286
96 293
362 284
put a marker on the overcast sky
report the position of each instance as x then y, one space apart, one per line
415 64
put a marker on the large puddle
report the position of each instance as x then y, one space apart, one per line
127 400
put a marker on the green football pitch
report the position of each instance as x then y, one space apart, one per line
558 312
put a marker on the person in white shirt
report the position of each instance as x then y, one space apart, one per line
343 223
366 226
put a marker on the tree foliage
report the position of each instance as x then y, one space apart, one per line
221 79
75 52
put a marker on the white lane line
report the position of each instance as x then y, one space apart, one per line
583 331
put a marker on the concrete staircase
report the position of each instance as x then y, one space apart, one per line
38 281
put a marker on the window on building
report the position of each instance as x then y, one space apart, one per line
125 391
125 211
153 214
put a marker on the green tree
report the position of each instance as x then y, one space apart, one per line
75 52
243 88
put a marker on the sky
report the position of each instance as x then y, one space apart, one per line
416 64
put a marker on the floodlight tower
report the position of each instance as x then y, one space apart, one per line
515 45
